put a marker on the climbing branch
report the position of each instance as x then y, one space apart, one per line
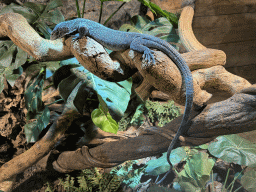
208 71
234 115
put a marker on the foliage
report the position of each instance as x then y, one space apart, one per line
130 176
159 166
38 14
164 113
196 172
11 56
249 180
160 27
106 123
38 115
171 17
233 148
81 85
231 185
124 123
137 118
157 10
91 180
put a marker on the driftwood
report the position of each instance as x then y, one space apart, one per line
233 115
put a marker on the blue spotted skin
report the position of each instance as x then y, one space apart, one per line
119 41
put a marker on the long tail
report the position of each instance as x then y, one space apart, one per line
171 52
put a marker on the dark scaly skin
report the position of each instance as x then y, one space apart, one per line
119 41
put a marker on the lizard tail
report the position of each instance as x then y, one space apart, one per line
173 54
188 80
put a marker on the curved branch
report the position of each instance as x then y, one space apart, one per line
234 115
186 34
219 78
164 76
21 162
16 27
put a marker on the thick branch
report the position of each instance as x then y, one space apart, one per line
119 66
234 115
186 34
19 163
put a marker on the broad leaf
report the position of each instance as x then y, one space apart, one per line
160 27
115 95
249 180
33 96
11 57
104 122
233 148
34 127
157 10
196 172
1 83
158 166
24 11
38 115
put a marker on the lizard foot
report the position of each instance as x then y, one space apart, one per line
149 58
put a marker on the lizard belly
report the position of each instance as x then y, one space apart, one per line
115 47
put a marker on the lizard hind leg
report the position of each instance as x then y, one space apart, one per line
139 45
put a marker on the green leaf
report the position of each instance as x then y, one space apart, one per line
36 7
106 123
160 30
139 21
24 11
203 146
1 83
160 27
129 28
157 10
33 96
70 61
53 4
233 148
38 115
158 166
249 180
46 12
9 52
35 127
115 95
6 58
54 16
196 172
21 58
44 29
13 75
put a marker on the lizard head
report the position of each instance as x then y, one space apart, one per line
62 29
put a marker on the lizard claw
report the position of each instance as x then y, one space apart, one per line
149 58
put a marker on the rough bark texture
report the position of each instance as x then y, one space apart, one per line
234 115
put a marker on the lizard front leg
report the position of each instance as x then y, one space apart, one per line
139 44
82 31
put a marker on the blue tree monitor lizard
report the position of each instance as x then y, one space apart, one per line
119 40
